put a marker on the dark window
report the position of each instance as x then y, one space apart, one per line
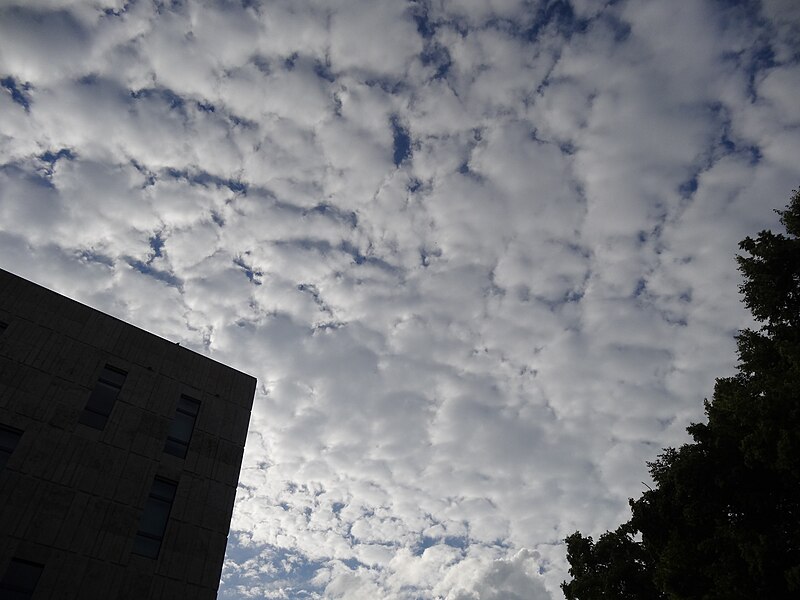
3 327
180 430
103 397
20 580
9 438
154 519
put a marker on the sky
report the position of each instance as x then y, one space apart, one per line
479 253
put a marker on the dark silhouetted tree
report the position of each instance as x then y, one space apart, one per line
723 520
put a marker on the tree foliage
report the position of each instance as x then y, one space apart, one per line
723 521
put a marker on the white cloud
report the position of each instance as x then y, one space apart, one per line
378 39
514 578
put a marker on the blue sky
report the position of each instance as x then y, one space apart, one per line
479 253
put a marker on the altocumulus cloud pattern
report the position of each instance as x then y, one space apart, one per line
479 253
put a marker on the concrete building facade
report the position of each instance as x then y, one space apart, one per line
119 455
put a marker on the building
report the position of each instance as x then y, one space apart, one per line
119 455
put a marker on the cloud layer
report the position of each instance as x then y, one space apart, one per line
478 254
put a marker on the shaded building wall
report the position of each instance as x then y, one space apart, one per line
72 496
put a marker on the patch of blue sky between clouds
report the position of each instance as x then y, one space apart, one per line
204 178
252 274
19 92
402 142
290 574
147 268
459 542
51 157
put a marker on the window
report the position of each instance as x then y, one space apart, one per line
20 579
9 438
103 397
154 519
3 327
180 430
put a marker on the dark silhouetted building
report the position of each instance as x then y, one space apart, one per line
119 455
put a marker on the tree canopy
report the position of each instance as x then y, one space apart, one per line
723 520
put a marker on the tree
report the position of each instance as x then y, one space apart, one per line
723 521
615 567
